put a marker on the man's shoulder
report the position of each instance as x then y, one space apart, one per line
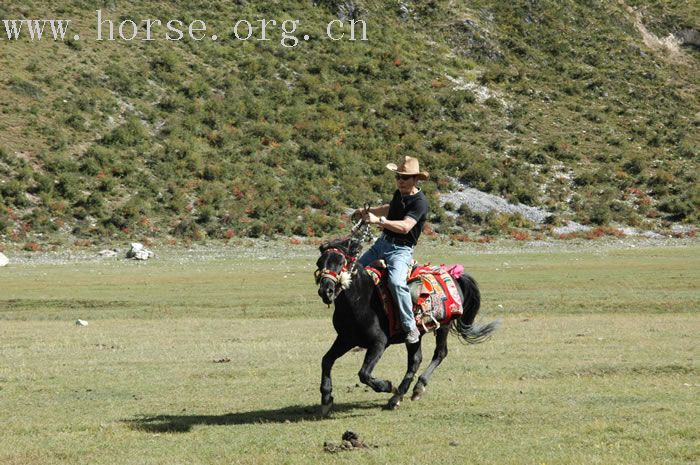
417 206
420 197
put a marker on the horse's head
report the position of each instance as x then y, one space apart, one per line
334 267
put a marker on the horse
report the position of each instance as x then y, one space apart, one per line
360 321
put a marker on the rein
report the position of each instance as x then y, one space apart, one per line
342 278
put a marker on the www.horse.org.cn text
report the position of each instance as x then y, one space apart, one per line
106 29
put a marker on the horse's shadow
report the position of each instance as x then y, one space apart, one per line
291 414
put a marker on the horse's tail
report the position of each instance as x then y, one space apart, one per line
464 326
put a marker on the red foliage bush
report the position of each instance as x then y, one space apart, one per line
520 235
32 247
566 236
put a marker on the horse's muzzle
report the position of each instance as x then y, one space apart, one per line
327 292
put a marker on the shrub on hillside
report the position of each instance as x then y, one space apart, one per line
13 193
600 213
634 165
124 79
186 228
678 208
5 221
129 134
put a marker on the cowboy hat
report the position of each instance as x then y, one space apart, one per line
408 167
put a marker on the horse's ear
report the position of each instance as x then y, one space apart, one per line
323 247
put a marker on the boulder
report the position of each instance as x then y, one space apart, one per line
3 260
688 36
139 252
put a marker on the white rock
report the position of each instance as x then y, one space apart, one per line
139 252
81 323
3 260
571 227
135 247
682 228
143 254
107 253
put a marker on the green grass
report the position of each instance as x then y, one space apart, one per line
595 362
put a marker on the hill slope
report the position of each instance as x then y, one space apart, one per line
586 108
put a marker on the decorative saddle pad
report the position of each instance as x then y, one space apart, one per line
436 298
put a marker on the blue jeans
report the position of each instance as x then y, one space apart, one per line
398 260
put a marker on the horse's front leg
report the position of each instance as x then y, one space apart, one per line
415 356
374 353
337 350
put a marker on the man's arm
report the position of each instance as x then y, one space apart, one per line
382 210
398 226
403 226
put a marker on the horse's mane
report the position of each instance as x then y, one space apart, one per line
350 245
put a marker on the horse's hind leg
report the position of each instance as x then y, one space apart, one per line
415 356
438 356
337 350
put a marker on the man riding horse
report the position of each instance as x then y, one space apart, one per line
402 222
362 317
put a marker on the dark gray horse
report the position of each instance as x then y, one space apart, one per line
359 320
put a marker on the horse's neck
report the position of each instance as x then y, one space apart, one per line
359 280
354 301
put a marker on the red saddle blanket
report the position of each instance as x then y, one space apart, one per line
436 299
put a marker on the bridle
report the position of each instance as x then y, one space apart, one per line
342 278
332 275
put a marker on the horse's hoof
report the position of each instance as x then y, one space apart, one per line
326 409
418 392
394 402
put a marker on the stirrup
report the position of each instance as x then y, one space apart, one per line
432 317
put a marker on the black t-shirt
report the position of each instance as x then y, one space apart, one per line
414 206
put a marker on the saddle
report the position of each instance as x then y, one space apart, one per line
436 297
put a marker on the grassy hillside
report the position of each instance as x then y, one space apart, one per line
559 104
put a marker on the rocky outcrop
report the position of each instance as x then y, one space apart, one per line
483 202
688 36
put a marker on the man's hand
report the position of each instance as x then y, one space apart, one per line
376 212
370 218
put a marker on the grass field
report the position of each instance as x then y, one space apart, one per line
595 363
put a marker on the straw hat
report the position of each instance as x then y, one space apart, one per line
409 166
